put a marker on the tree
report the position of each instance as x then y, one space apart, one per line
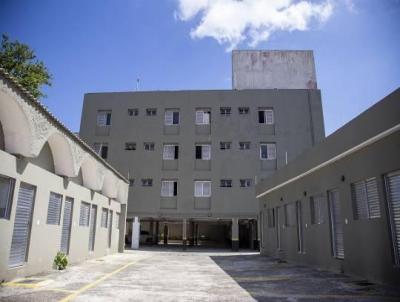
21 63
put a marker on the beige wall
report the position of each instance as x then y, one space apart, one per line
45 239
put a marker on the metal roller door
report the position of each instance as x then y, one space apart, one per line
337 232
22 225
66 225
393 194
92 228
299 218
110 224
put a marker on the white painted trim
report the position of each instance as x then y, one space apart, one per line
336 158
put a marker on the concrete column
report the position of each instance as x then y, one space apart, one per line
235 234
259 231
256 235
122 228
184 233
135 233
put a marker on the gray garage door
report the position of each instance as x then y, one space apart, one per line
92 231
110 225
22 225
66 225
393 193
336 224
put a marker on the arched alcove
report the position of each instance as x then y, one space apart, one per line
62 155
110 185
92 175
44 159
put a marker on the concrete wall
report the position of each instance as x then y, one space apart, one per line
298 126
367 242
269 69
45 239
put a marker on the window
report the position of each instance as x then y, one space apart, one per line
225 145
316 203
202 188
131 182
226 183
225 111
101 149
6 196
243 110
245 183
171 117
54 210
147 182
149 146
104 217
244 145
271 218
290 214
203 116
169 188
267 151
365 199
117 215
170 152
133 112
103 118
84 214
266 116
151 111
130 146
203 152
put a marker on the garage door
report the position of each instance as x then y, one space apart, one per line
336 224
92 231
66 225
393 194
22 225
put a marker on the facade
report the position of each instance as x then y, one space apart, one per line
193 157
56 193
337 207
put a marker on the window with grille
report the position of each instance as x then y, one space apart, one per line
365 199
133 112
266 116
243 110
267 151
84 214
226 183
203 116
54 209
151 111
171 117
130 146
244 145
103 118
202 188
169 188
290 214
245 183
225 145
271 218
203 152
6 196
316 209
170 152
104 217
147 182
149 146
225 111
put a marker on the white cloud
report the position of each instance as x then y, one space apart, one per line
231 22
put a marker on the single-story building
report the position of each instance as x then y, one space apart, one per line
56 193
337 206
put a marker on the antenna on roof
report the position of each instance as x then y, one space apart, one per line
137 84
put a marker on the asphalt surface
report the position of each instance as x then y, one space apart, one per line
194 275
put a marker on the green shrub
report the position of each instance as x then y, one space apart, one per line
60 261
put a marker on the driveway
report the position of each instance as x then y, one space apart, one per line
194 275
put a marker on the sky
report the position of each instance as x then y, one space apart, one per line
105 45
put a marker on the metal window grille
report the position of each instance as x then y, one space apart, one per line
54 209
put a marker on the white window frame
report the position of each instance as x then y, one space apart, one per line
271 151
102 118
244 145
203 117
169 154
243 110
246 182
225 145
200 188
167 188
269 117
151 146
169 117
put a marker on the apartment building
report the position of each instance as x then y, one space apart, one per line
193 157
337 207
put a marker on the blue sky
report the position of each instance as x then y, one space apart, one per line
92 46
